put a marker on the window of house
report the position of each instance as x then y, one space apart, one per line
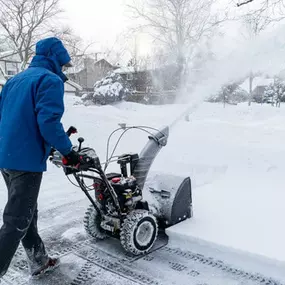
12 68
130 76
11 72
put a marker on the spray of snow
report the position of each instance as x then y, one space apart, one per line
263 54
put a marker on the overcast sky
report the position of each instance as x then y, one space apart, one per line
97 20
103 21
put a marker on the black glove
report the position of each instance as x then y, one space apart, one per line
72 158
52 151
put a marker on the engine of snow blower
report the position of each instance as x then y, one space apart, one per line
130 204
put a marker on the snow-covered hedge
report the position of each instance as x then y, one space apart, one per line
274 93
231 93
110 89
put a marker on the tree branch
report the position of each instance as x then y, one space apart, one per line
244 3
25 21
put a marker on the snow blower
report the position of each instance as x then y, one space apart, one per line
119 206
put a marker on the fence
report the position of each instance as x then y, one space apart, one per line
151 98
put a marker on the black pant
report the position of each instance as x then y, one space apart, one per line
20 220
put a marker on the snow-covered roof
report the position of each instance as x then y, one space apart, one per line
257 81
10 55
102 59
2 78
75 85
74 70
282 74
71 83
80 66
124 70
131 69
6 53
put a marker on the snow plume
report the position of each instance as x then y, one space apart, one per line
263 54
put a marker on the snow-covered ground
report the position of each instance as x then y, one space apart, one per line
234 156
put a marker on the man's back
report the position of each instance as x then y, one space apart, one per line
31 107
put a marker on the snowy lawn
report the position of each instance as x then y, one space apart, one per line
234 156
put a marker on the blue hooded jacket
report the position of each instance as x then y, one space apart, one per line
31 108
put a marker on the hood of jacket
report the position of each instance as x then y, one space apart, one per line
52 55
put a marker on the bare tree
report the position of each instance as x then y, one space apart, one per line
2 44
276 8
119 50
75 45
24 21
267 3
176 24
254 23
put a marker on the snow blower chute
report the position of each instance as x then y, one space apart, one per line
131 205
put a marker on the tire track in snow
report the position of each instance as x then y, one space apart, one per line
165 266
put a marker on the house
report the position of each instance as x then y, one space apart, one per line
91 72
139 80
10 65
72 88
259 91
258 84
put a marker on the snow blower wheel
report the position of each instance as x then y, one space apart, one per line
92 224
139 232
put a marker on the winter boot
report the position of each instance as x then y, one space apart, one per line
52 264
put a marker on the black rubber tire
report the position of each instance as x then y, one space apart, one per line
92 224
129 230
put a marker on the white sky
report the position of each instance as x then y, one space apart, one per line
101 21
104 20
93 19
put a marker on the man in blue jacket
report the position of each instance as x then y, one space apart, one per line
31 108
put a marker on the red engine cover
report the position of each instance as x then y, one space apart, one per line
116 179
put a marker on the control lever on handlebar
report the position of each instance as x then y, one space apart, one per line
71 130
82 159
80 140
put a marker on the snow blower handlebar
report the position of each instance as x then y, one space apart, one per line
71 130
89 161
88 157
